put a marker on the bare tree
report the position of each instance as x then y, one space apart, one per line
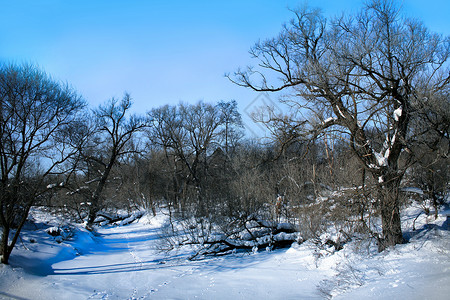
187 133
356 74
34 113
113 136
232 124
431 148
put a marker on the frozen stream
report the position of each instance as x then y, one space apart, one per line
124 263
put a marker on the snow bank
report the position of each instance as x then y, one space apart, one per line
125 262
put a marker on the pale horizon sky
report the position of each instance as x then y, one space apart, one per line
161 52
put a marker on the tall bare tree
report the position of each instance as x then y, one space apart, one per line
35 111
113 139
232 125
356 74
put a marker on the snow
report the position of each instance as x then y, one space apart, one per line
382 160
397 114
340 112
412 190
126 262
372 166
405 271
329 120
131 218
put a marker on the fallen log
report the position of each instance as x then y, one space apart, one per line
119 219
276 235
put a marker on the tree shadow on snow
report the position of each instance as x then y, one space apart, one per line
118 268
232 262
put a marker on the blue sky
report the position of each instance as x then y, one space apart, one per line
158 51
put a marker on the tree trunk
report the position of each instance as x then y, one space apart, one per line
390 214
7 247
95 205
4 246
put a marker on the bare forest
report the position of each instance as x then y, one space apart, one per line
365 124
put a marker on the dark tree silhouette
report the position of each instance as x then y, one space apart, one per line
113 136
34 114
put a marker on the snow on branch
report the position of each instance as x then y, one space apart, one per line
397 114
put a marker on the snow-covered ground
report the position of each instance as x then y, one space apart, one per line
125 262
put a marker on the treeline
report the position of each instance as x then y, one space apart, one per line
193 160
